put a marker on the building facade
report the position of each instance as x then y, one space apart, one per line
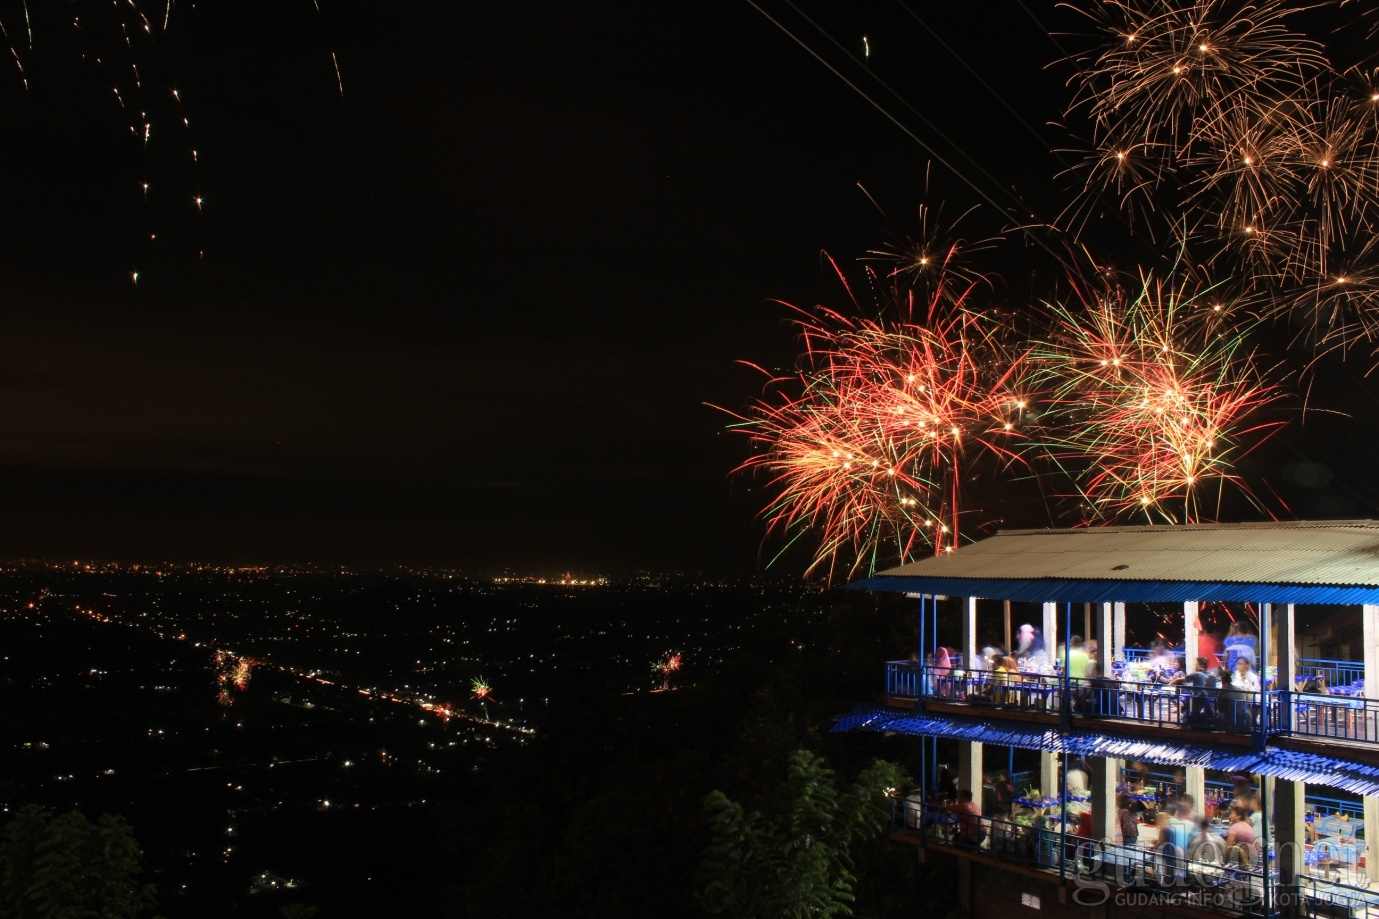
1173 736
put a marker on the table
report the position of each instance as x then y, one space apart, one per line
1335 826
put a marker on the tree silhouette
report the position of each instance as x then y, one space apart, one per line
794 860
70 868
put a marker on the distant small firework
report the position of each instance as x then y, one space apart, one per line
232 675
482 691
666 666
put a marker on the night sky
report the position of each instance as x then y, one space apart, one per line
470 313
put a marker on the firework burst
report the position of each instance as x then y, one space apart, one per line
232 675
482 692
1153 401
1245 142
666 666
867 444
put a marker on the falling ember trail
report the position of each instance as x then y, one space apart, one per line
339 81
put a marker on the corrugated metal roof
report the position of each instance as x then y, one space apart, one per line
1292 562
1036 590
1283 764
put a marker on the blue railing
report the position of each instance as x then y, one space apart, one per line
1335 673
1148 703
902 679
1276 712
1335 716
1223 880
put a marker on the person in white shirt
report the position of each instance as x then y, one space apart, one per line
1077 778
1243 678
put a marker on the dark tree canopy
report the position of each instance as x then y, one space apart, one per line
68 867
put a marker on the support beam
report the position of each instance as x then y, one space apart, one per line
1050 627
1048 774
1190 623
1372 839
1370 624
1369 618
1289 835
969 633
1266 629
1118 631
1087 621
1008 635
1102 776
1287 647
1196 785
1104 640
970 769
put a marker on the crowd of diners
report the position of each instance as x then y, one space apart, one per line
1224 830
1225 680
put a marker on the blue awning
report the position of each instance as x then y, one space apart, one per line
1059 590
1291 765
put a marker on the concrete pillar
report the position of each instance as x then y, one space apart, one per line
1370 621
1196 785
1118 630
1050 627
970 768
1289 833
1104 658
1190 611
1371 839
1049 777
969 632
1287 647
1287 651
1102 776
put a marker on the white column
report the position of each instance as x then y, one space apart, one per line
1118 630
1196 785
1190 610
1370 623
1104 640
969 632
1287 647
1050 627
1371 839
970 769
1102 776
1048 774
1369 617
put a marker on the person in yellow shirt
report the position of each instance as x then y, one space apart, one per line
1075 658
1007 678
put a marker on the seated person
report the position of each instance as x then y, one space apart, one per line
1204 686
1205 845
1006 680
1242 846
969 819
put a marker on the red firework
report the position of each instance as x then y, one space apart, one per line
868 442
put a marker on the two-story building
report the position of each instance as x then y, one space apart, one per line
1302 748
